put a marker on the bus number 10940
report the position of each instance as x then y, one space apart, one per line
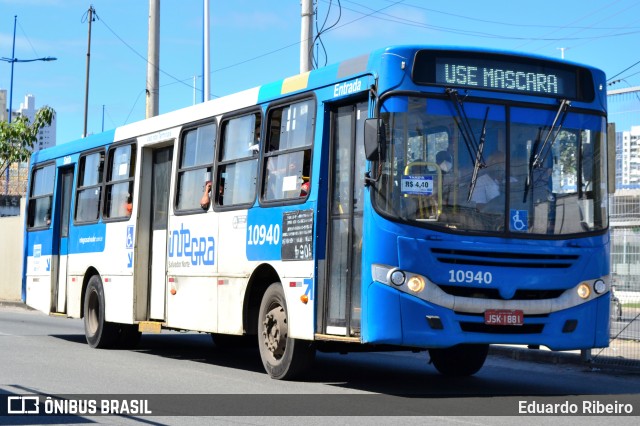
469 277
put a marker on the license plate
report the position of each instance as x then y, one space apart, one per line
503 317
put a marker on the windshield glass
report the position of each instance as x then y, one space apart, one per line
473 166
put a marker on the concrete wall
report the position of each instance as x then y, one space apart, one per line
11 237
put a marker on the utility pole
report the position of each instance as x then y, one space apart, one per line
206 59
90 19
153 59
306 36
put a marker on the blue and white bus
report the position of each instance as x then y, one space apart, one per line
414 198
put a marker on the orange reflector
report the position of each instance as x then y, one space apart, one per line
304 298
173 291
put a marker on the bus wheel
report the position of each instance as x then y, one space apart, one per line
99 333
283 357
459 360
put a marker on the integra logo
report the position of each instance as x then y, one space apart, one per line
347 88
198 249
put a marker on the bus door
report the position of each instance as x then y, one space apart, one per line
63 212
160 184
344 241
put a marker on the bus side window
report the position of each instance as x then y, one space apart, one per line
119 182
195 167
238 160
287 159
89 188
41 197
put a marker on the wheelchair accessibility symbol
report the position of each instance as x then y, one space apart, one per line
518 220
129 236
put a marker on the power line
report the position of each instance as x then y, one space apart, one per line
28 41
144 58
418 24
323 29
623 71
510 24
601 20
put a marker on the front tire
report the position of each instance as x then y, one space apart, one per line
283 357
99 333
459 360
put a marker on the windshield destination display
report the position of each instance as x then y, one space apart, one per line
505 73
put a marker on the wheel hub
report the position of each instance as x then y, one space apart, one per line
275 331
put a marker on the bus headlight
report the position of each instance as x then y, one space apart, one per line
599 287
583 291
416 284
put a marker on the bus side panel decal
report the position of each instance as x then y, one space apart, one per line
264 234
87 238
187 248
274 234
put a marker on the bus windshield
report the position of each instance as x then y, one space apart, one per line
466 165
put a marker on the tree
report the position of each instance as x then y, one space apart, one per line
17 138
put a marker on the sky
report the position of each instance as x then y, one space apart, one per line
254 42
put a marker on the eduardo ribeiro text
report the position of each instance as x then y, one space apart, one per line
584 408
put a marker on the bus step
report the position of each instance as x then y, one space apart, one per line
149 326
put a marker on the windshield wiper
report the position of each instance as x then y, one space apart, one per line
538 156
464 125
478 163
543 153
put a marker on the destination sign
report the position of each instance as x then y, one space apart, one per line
503 73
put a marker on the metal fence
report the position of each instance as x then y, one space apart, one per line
624 345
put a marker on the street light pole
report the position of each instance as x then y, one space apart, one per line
13 60
13 56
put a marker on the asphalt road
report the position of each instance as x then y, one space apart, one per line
184 373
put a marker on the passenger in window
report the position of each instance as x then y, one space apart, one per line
444 161
490 182
205 201
304 189
129 205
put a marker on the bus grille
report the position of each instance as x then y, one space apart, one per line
504 259
493 293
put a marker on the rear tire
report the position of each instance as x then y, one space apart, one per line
99 333
459 360
283 358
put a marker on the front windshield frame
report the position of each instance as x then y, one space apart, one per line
426 174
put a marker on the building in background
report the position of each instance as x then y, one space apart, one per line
3 105
46 135
18 173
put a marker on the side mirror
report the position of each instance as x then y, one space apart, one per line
374 135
